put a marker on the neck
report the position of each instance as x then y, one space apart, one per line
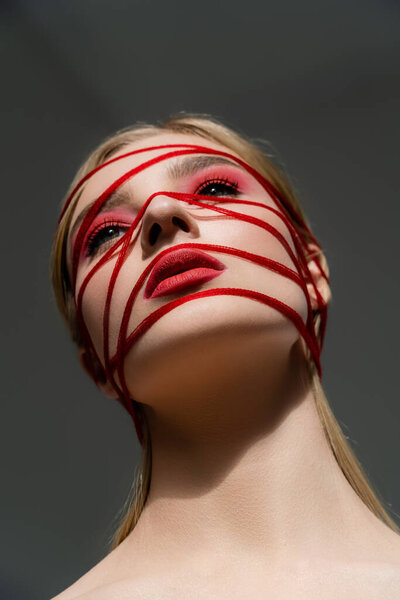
249 473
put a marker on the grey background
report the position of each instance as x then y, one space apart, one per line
319 81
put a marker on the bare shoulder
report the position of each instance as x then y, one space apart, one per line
121 590
379 578
383 582
365 582
376 577
342 580
382 573
136 588
87 584
73 592
108 580
374 581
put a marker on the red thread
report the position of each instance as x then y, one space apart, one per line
284 211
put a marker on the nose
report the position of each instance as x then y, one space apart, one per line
164 219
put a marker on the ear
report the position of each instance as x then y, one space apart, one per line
95 370
322 285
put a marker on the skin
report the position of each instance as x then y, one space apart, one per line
247 499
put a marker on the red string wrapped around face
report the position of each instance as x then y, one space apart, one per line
114 362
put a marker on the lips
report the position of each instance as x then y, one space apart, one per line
180 261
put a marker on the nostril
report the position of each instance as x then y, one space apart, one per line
181 223
156 228
154 231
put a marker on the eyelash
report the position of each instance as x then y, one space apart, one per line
93 242
233 185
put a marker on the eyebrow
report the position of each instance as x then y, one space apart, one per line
177 170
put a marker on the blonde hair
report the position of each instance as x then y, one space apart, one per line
211 129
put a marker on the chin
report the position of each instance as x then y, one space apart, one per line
205 339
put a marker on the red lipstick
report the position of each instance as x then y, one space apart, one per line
181 269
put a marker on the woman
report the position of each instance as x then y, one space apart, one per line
197 296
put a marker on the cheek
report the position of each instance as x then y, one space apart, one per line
93 309
93 306
273 240
94 302
257 240
283 251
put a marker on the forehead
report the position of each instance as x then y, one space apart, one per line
105 177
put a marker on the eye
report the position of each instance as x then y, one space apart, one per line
103 234
218 186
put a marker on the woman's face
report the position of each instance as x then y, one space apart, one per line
201 336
